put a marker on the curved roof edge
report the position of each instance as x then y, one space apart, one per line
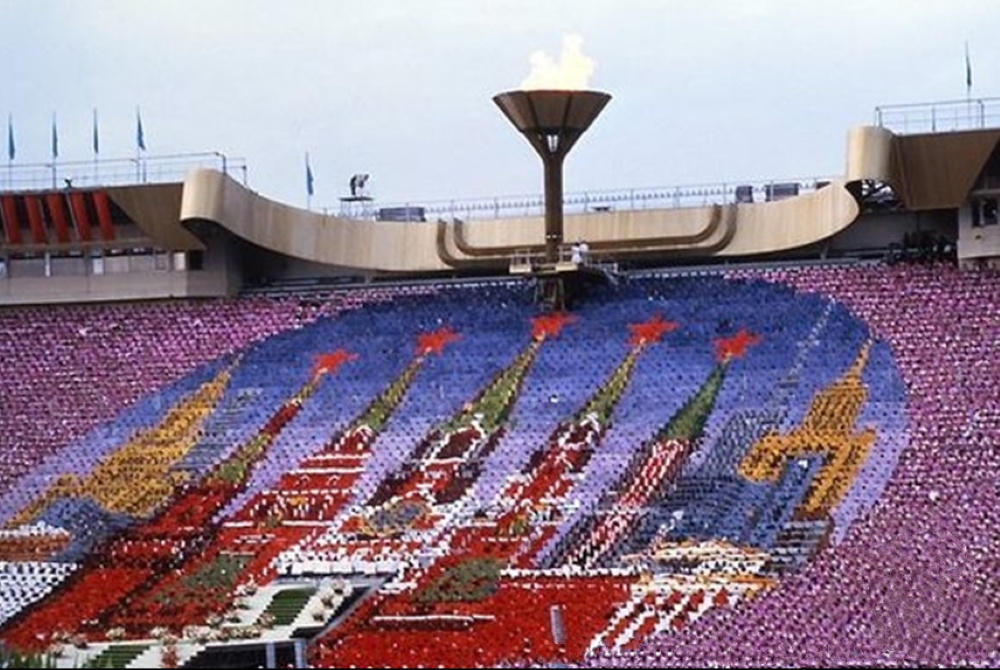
750 229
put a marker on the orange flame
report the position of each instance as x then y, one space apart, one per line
571 72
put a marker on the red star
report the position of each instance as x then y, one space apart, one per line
330 362
650 331
549 325
727 348
434 342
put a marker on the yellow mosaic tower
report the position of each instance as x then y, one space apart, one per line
138 477
828 428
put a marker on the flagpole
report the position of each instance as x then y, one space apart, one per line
138 125
10 150
96 149
968 83
140 143
55 149
309 184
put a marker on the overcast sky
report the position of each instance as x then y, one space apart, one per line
703 90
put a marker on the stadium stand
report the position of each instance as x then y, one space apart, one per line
772 466
911 584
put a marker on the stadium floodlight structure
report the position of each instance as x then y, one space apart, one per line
552 121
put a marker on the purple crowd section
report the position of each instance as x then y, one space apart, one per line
915 581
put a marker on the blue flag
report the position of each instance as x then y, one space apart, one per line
309 177
55 139
140 139
97 143
968 69
11 150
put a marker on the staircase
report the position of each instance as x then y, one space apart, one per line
117 656
287 605
797 541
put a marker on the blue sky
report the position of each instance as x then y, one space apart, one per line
706 91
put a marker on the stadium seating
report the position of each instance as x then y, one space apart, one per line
913 582
787 466
70 369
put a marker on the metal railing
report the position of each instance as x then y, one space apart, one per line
988 182
663 197
939 117
174 168
116 171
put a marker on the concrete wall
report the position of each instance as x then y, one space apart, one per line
878 231
102 288
980 242
221 258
